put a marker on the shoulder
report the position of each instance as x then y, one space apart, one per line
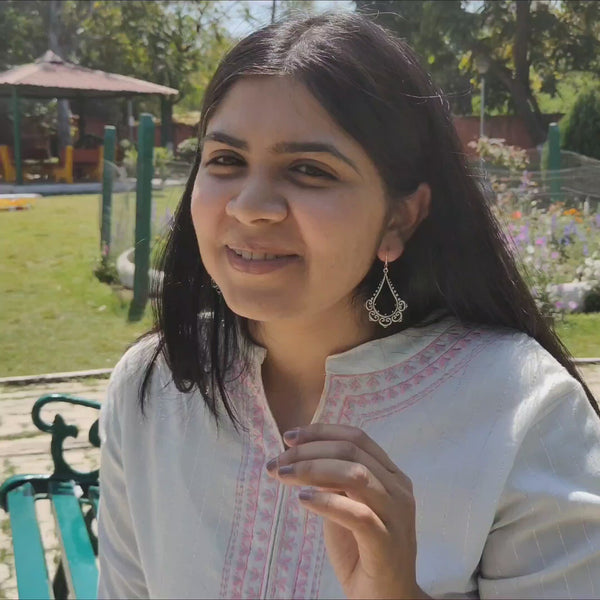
132 365
503 371
489 370
125 383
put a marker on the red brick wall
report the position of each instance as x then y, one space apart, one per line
510 128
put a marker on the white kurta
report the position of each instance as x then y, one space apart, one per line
501 444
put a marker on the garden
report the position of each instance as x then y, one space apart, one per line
58 316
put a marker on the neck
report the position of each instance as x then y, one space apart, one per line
294 368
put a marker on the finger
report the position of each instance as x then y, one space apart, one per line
371 533
352 478
325 431
340 450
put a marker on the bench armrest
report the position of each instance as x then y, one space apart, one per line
59 431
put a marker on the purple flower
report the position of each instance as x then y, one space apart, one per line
585 250
554 255
597 220
573 305
541 241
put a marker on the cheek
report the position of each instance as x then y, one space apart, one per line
342 228
207 206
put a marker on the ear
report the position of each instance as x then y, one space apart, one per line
406 217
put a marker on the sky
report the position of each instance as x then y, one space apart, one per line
261 10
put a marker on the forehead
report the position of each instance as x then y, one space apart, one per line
276 108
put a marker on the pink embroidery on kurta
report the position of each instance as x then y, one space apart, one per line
299 553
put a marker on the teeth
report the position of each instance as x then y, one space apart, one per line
255 255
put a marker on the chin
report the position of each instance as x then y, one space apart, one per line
263 307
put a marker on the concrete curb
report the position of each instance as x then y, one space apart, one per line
54 377
102 373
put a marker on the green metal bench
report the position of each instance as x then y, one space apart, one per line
74 499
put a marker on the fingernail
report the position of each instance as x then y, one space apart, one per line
306 494
271 464
291 435
286 470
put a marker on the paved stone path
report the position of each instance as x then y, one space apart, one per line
24 449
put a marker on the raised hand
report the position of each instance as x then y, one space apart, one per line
367 505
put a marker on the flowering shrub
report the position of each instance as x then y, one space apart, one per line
557 247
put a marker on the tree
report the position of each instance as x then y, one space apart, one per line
522 43
164 42
438 32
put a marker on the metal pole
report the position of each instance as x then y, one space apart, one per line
142 216
554 161
17 136
110 136
481 117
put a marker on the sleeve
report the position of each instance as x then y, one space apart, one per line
120 570
545 540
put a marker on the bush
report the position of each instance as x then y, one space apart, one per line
591 302
161 159
581 130
187 149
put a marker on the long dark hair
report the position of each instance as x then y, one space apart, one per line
372 85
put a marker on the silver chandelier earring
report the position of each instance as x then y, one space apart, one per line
374 314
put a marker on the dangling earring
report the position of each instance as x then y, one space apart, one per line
374 314
214 284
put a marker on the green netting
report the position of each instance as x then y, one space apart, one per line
166 195
578 178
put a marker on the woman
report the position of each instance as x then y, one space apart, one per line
349 391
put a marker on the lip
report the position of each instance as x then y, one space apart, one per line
260 248
259 267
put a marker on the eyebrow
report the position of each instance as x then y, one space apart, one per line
280 147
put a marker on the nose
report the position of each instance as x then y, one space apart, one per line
257 202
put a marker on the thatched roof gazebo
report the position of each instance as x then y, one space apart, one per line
52 77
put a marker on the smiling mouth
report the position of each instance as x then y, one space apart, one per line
258 256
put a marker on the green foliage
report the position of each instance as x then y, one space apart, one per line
187 149
528 52
161 160
591 302
438 32
567 87
106 271
165 42
581 127
498 154
130 157
23 31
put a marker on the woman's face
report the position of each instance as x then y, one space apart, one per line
288 209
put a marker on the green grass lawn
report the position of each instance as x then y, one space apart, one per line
581 335
54 314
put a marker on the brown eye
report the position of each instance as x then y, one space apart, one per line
312 171
224 160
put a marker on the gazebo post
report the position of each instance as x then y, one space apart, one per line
17 136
